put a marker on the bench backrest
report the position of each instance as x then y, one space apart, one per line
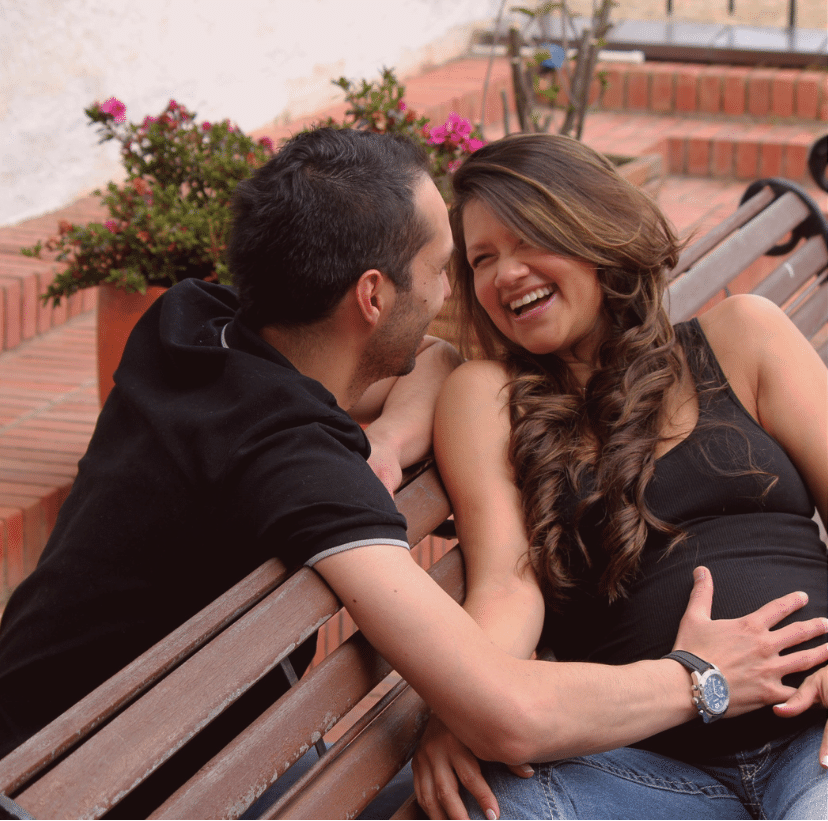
794 277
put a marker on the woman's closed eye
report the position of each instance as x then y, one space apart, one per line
478 260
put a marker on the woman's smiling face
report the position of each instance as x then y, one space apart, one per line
544 302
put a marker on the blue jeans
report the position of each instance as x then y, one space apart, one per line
783 779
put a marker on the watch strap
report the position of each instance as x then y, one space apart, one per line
691 662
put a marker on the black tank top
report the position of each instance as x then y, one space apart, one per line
758 546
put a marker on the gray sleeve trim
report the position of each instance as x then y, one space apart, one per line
351 545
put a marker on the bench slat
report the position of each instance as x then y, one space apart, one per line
363 761
235 778
694 289
782 283
352 778
746 212
811 315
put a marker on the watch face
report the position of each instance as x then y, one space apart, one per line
715 693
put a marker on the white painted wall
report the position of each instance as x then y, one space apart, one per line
250 60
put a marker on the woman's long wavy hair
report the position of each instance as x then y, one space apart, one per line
555 193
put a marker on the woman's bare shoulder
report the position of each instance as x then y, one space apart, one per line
477 379
742 330
742 320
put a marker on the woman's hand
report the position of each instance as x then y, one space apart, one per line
814 690
440 764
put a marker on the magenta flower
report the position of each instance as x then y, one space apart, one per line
473 144
267 143
402 106
115 108
205 126
438 135
111 226
458 125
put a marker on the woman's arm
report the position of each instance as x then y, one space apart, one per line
779 378
502 595
399 411
471 439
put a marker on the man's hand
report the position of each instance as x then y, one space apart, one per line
747 649
399 411
385 462
814 690
441 761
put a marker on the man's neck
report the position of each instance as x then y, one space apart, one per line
320 355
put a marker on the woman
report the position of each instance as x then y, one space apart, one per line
596 456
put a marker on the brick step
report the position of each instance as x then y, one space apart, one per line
716 152
23 315
48 409
729 91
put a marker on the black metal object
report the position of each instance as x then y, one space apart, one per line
731 8
814 225
818 161
11 809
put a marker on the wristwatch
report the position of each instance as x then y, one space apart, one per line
711 695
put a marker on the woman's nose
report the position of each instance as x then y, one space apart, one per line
509 270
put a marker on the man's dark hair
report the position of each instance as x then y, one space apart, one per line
330 205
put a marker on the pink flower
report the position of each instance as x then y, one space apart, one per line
115 108
148 121
402 106
438 135
205 126
473 144
459 125
111 226
267 143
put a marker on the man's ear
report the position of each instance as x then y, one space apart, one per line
374 293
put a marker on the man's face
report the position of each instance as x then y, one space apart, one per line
395 343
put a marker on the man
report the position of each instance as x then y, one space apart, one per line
225 442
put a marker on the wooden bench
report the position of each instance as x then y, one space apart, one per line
88 760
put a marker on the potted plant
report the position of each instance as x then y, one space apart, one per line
167 221
380 106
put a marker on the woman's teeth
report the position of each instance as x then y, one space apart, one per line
518 306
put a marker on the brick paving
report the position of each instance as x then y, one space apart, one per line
694 117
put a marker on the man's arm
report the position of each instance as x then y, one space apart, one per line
399 411
512 710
